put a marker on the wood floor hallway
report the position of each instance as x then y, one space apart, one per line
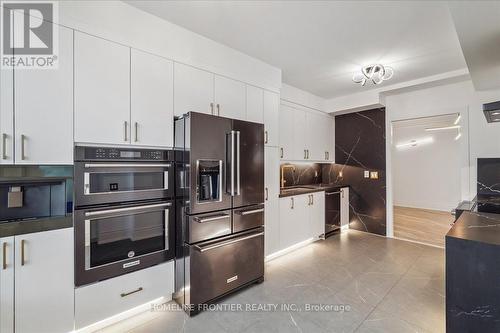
422 225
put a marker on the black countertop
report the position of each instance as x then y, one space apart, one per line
15 228
479 227
305 189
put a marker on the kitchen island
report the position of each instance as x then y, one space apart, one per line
473 273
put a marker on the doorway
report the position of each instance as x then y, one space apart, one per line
427 176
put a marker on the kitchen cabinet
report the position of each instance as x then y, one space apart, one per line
302 217
344 207
152 100
44 109
272 173
294 220
286 135
7 285
230 98
193 90
305 134
317 214
102 90
271 118
7 115
272 226
37 282
255 104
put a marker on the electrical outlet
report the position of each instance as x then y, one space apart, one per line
374 174
367 174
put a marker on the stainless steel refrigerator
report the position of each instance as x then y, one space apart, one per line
220 207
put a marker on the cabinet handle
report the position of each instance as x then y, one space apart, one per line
266 140
125 125
23 243
131 292
4 261
212 109
312 200
267 194
23 139
342 192
4 146
281 152
136 127
218 109
293 203
305 154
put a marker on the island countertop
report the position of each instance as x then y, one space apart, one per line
476 226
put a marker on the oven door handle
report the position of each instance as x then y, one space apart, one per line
332 193
128 209
232 241
248 212
126 165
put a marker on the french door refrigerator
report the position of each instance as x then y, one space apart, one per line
220 207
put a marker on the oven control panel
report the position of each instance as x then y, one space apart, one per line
122 154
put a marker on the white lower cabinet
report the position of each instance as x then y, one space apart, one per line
272 226
37 282
99 301
302 217
344 207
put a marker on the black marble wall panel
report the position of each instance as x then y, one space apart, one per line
488 176
301 173
360 147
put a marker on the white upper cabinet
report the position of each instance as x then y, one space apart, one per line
193 90
315 136
152 96
255 104
44 110
230 98
271 118
6 115
102 91
300 135
272 173
286 125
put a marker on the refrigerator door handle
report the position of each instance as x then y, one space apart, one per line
238 173
232 163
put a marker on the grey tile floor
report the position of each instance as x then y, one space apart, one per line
385 285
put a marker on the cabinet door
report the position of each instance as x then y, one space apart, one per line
344 208
272 173
330 139
102 91
315 137
317 214
7 284
193 90
152 100
294 220
271 118
230 98
44 109
255 104
44 284
272 226
300 140
286 115
7 115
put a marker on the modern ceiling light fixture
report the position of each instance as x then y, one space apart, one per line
375 73
443 128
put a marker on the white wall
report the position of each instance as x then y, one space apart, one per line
122 23
427 175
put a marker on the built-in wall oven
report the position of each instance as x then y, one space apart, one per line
124 211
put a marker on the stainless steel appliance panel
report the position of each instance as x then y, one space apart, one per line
248 218
221 266
203 227
249 163
208 165
332 210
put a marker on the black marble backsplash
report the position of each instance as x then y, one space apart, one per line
488 176
360 147
301 173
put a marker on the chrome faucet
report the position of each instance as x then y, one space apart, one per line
283 167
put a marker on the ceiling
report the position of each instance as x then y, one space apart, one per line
320 44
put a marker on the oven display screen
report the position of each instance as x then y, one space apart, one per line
130 154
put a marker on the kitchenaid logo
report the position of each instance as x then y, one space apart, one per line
28 36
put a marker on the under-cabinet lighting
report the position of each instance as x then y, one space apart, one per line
414 143
443 128
457 120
